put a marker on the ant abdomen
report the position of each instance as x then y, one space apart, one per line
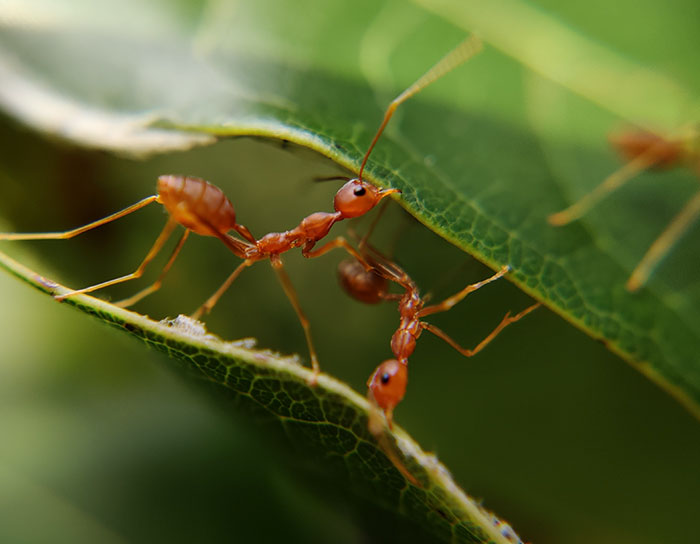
362 285
190 199
665 153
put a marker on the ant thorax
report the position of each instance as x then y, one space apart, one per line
275 243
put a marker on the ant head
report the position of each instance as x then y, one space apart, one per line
387 385
357 197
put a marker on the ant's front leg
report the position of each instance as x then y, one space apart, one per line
338 242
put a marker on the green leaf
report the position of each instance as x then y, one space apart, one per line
468 162
326 422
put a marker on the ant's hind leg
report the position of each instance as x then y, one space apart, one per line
507 320
212 300
157 246
64 235
156 284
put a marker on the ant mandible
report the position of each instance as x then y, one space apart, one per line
387 385
201 207
645 150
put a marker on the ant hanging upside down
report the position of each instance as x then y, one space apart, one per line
201 207
387 385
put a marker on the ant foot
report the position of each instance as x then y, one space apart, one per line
197 314
64 296
313 379
559 219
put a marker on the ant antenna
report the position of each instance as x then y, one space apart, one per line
331 178
463 52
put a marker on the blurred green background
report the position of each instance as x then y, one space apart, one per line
100 442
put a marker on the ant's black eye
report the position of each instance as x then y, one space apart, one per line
360 191
385 378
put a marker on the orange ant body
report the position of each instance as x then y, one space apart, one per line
387 385
203 208
645 150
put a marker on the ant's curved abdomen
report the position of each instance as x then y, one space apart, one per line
196 204
631 144
362 285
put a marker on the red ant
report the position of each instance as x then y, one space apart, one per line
203 208
387 385
645 150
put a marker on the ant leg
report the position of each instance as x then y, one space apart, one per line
157 246
63 235
243 231
212 300
291 293
375 220
464 51
156 284
663 243
507 320
614 181
333 244
363 243
454 299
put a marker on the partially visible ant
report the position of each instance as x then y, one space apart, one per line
387 385
203 208
645 150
